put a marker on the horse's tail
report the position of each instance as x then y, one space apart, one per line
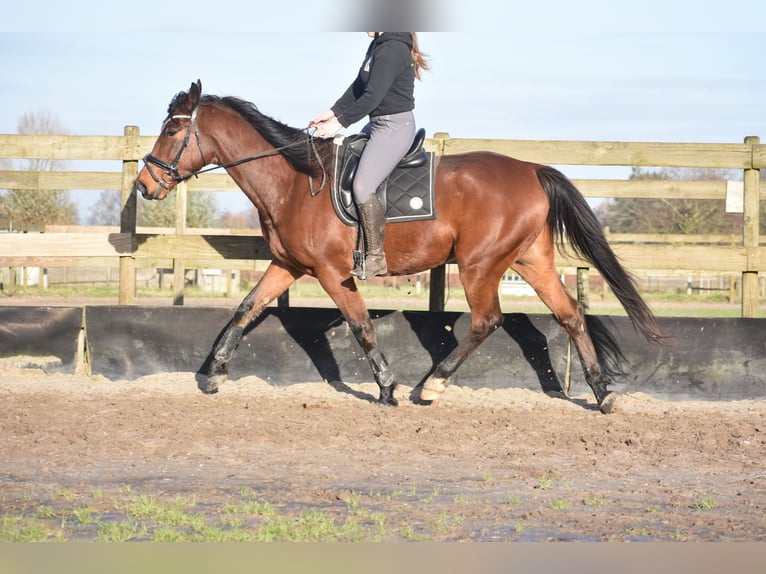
570 216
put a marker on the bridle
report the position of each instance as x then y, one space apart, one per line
171 176
171 169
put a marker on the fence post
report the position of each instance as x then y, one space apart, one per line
128 216
750 235
179 271
437 284
583 286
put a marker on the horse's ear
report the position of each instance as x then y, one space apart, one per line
195 91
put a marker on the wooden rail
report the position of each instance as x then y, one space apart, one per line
741 255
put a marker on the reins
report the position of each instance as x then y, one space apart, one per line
172 169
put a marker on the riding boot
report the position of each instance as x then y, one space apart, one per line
373 220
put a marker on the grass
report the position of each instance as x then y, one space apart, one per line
27 529
707 503
407 295
443 522
124 516
669 303
84 515
122 531
544 482
113 513
560 504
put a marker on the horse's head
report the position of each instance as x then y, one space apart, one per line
172 159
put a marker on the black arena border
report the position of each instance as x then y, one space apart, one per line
706 359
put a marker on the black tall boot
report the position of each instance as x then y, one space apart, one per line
373 219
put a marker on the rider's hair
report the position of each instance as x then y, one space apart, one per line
419 59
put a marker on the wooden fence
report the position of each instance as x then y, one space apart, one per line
664 254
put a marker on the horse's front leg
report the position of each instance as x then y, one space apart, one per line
346 296
274 282
365 334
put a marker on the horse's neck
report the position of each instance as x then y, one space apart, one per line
266 181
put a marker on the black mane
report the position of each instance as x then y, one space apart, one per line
301 156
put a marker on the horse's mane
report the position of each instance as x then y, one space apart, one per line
300 157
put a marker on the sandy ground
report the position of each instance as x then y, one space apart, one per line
481 465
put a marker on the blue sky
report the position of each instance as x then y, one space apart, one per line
588 70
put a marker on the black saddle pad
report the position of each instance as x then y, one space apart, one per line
407 194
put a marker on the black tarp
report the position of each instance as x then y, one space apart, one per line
48 336
713 359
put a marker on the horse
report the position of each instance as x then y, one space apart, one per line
493 212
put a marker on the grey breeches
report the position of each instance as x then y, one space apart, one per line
390 138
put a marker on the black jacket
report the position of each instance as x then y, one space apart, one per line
386 81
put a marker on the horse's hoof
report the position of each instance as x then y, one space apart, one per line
429 396
210 385
432 390
209 388
387 397
608 403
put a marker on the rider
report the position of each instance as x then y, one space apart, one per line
384 91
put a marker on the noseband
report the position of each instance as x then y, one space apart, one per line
171 169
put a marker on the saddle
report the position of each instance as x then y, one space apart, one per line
407 194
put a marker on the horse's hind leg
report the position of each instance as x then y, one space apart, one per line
541 274
481 288
274 282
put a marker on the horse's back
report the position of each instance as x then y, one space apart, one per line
488 205
488 182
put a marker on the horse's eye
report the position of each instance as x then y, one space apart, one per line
170 132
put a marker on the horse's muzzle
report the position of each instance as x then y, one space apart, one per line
141 188
145 193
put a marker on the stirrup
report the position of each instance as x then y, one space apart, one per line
375 265
360 265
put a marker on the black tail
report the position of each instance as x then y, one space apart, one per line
571 216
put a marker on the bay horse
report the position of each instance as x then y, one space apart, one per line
493 212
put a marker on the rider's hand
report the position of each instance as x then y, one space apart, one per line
328 128
326 124
321 118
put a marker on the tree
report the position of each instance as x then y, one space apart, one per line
674 216
107 210
5 217
247 219
201 211
28 209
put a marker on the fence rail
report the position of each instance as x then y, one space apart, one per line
735 255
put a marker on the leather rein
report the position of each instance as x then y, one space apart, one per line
170 174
